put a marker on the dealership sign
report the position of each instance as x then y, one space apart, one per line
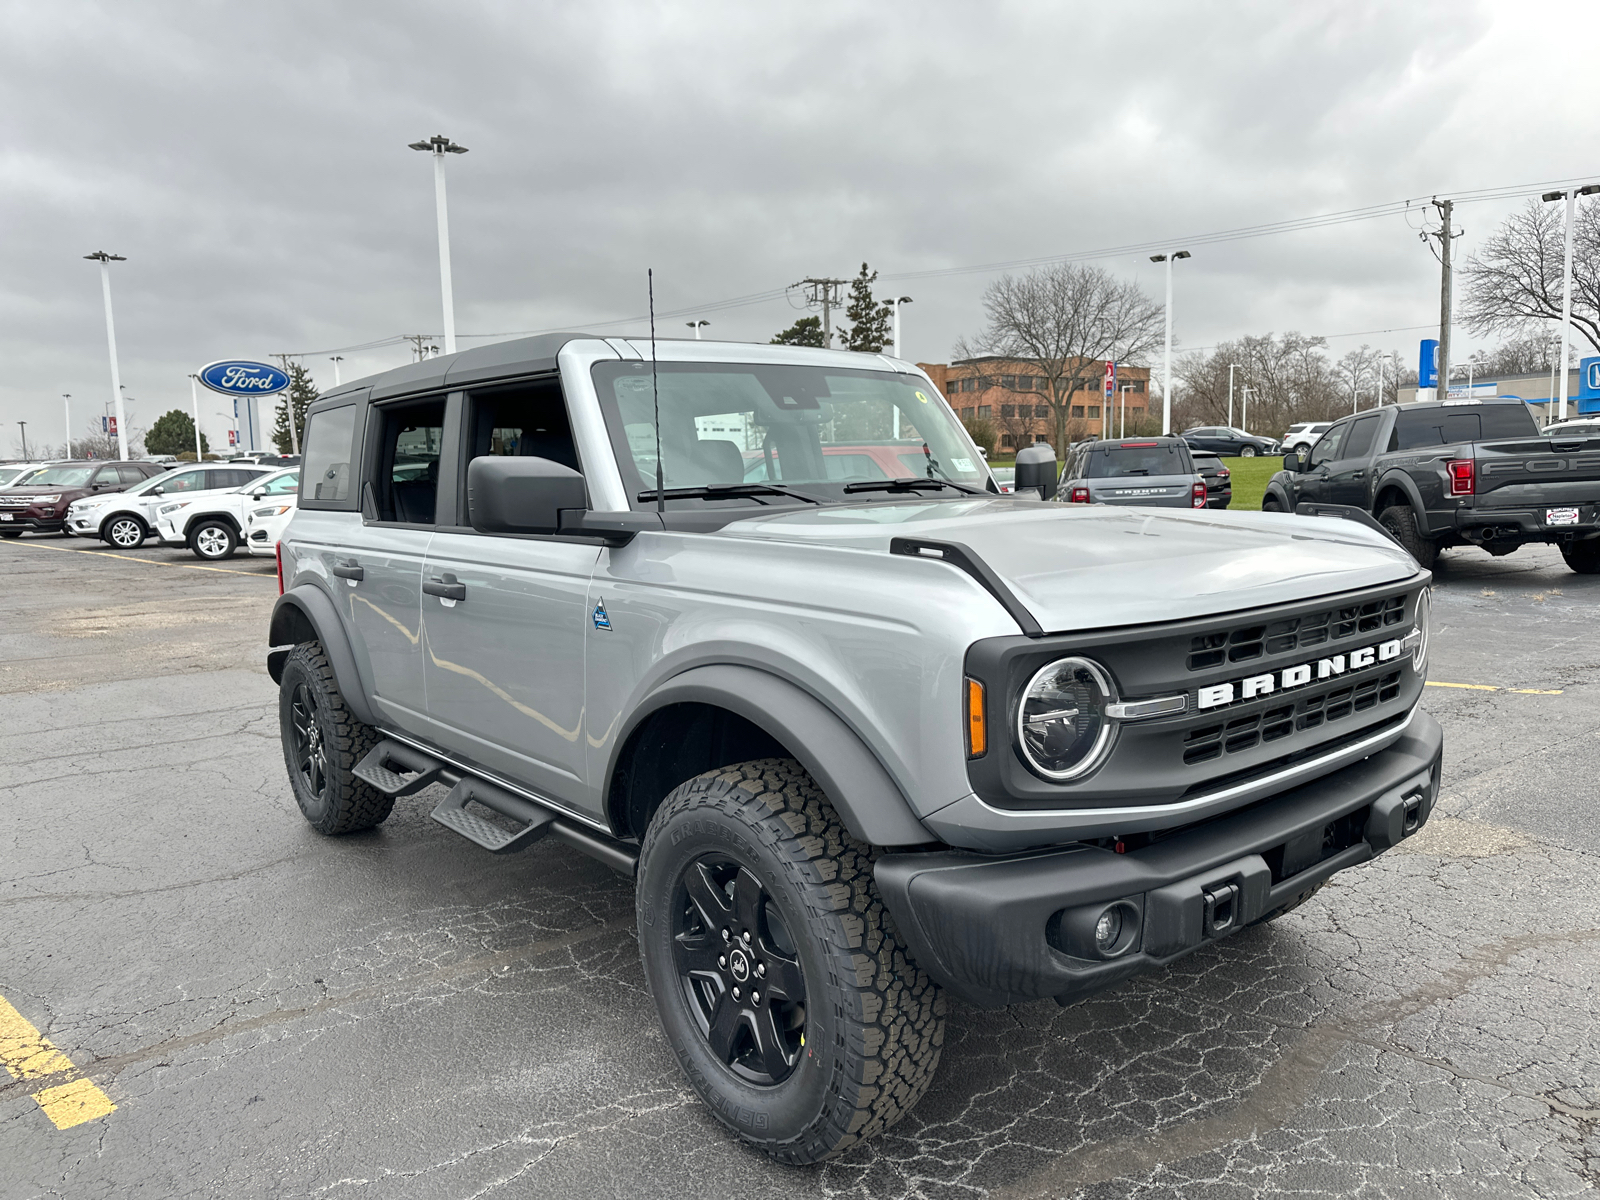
238 377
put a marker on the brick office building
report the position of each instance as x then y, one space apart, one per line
1010 395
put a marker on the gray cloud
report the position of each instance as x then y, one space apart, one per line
250 161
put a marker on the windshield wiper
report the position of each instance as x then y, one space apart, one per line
727 491
910 484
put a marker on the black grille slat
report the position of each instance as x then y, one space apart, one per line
1286 636
1307 712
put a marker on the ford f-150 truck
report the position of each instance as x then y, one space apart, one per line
1453 473
859 741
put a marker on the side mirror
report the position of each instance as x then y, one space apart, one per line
158 490
1293 462
521 495
258 493
1036 468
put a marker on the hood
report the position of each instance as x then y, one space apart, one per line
1076 567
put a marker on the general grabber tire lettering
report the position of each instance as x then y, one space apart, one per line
322 743
805 1027
1402 522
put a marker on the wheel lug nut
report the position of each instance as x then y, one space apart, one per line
725 935
735 993
761 970
755 997
745 937
722 960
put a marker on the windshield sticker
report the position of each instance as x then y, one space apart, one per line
961 464
921 397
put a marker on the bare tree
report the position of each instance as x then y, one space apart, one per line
1064 323
1535 352
1516 279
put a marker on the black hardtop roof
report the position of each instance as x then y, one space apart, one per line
498 360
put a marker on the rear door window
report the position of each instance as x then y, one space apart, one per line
185 481
1358 442
406 488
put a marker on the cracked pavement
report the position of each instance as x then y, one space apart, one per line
398 1014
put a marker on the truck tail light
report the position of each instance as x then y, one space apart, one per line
1199 499
278 554
1080 495
1462 481
977 727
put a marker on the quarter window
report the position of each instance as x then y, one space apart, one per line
325 470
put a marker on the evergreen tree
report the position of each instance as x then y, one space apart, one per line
172 434
807 331
870 321
301 395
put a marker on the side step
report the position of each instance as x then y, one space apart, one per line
452 814
417 770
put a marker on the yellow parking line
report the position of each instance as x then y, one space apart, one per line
149 562
1484 687
28 1054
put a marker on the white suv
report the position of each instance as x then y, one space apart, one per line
212 524
265 522
1304 435
125 519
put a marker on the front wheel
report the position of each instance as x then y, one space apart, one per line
1583 557
126 533
780 980
1402 523
214 541
1247 451
1270 503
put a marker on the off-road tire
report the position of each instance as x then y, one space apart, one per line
1270 503
1583 557
213 541
1293 904
345 803
1402 522
125 533
874 1023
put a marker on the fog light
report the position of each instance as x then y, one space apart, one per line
1107 930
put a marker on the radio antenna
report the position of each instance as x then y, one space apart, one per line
655 395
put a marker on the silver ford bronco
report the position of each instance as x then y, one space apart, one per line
753 625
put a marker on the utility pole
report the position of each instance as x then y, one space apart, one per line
288 403
1446 236
823 292
421 344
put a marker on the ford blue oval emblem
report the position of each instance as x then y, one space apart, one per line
237 377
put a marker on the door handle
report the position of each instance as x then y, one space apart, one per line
1358 474
445 587
351 570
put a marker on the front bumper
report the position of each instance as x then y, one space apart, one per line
999 931
38 524
169 533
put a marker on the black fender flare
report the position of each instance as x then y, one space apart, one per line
1400 479
304 613
1276 488
868 800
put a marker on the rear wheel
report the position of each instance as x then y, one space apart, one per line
213 541
1402 522
781 982
126 533
322 743
1247 451
1583 557
1270 503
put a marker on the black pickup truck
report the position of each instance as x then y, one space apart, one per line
1455 473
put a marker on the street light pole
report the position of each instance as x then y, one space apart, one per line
1571 197
1166 359
105 260
1381 357
194 397
696 326
1122 419
1244 420
23 425
1232 367
336 360
66 415
897 302
439 146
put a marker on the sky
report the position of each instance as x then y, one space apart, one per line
251 164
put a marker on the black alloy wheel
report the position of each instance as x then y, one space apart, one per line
739 969
307 752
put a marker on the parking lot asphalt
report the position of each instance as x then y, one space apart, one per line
398 1014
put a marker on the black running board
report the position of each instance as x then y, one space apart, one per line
418 769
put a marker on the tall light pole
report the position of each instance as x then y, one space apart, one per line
194 398
896 303
23 425
1232 367
105 260
336 360
439 146
697 326
1122 420
1381 357
1166 360
66 416
1244 420
1571 197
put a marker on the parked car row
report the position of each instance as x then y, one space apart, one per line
211 508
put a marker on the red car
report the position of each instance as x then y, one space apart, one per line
39 502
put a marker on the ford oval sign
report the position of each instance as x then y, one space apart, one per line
236 377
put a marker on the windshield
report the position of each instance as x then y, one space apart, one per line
7 474
67 477
1152 459
811 428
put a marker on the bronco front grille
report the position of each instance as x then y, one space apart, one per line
1245 733
1293 633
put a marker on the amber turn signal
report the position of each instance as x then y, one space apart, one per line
977 730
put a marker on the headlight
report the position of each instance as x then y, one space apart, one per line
50 499
1424 625
169 508
1063 730
273 511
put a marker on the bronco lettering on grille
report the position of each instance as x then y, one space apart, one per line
1288 678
